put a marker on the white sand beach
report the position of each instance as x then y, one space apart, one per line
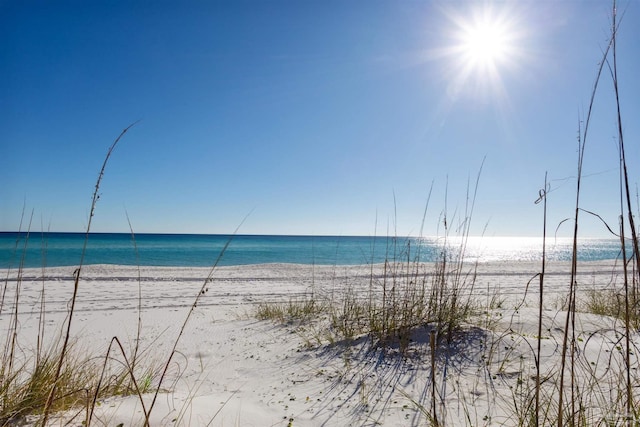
231 369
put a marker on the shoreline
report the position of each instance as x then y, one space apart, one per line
553 265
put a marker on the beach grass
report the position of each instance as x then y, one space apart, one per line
59 376
583 388
295 310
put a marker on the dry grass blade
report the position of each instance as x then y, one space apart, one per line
574 263
188 317
624 196
129 372
96 196
543 197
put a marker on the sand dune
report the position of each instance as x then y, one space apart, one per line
233 370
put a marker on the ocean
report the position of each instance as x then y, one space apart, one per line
198 250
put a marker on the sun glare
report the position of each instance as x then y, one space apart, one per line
485 46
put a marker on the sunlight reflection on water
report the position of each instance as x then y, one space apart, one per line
486 249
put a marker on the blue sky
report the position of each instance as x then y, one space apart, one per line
314 117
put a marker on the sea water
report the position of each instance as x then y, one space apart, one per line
198 250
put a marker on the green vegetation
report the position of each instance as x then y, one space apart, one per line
612 302
295 310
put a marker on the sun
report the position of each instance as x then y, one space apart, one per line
485 45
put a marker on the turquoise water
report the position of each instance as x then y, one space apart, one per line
64 249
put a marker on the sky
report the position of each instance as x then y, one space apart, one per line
314 118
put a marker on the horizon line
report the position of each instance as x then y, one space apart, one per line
302 235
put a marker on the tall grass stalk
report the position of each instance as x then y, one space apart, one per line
134 357
9 375
201 292
543 199
12 335
625 196
432 346
41 318
128 372
570 317
15 251
72 303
